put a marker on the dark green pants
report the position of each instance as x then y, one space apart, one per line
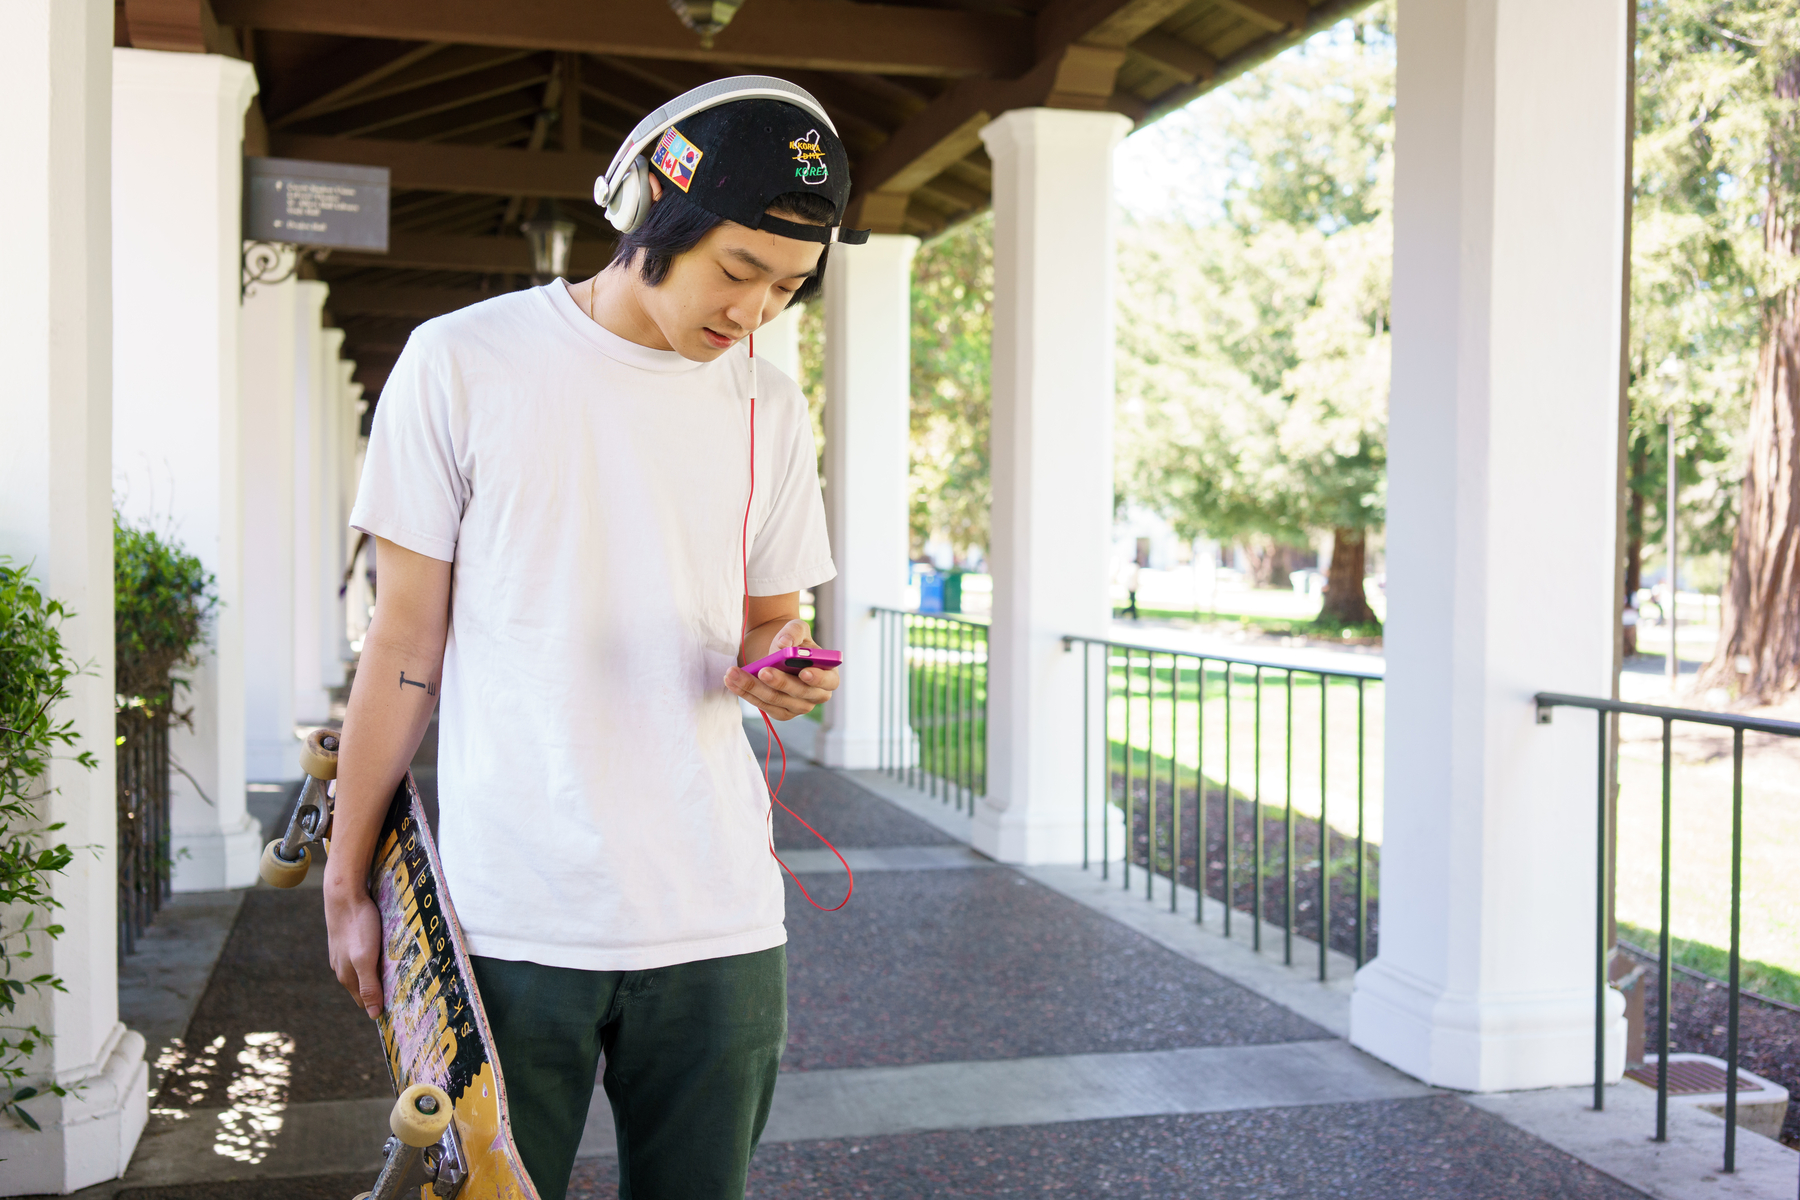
691 1055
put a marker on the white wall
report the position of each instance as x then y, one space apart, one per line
267 366
176 437
55 516
1509 192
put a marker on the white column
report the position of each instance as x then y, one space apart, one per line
176 440
271 752
868 330
1052 466
326 507
312 700
1500 551
350 621
778 342
56 517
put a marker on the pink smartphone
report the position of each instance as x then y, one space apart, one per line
795 660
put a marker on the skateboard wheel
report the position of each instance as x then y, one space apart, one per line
364 1195
319 756
278 872
421 1115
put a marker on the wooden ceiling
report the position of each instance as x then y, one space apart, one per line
482 108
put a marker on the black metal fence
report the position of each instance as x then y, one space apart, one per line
1165 719
934 704
143 799
1605 765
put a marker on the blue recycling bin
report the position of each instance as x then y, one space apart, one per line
931 592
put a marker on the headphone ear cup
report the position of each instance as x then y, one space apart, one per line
630 203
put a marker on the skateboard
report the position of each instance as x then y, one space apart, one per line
451 1135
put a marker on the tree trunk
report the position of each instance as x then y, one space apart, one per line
1758 654
1345 602
1271 563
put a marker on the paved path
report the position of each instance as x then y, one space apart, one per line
962 1029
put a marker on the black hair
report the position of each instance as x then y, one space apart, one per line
676 225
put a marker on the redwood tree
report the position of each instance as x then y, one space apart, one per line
1758 654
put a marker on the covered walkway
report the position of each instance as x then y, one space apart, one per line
963 1028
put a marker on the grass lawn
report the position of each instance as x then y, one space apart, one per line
1753 976
1700 820
1265 762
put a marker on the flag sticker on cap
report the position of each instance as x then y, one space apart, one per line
811 157
676 157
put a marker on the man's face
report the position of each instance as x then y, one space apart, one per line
724 288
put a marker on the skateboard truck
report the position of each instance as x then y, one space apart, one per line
286 859
425 1151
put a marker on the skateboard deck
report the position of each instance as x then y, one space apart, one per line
432 1023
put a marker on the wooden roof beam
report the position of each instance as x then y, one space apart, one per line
339 75
1273 15
186 26
460 123
427 72
369 118
1080 46
486 255
438 167
364 299
822 35
1110 23
1171 55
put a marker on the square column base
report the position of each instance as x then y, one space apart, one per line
214 860
1030 838
1476 1043
849 750
88 1135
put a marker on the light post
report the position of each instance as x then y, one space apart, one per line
551 235
1674 663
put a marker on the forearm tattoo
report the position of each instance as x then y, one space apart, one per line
429 688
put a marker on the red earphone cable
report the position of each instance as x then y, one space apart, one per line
775 738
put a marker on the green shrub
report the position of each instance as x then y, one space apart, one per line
163 601
34 675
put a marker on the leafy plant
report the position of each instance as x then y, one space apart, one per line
35 671
163 601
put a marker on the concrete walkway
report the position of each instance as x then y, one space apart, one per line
961 1029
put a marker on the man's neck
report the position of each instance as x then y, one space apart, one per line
611 300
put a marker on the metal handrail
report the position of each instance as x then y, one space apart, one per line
1547 703
1231 664
933 704
1269 664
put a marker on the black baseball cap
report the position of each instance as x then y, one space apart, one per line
735 160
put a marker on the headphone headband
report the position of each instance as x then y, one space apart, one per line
707 95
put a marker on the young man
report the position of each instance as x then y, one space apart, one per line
558 480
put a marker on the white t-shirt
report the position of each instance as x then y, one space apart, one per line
600 807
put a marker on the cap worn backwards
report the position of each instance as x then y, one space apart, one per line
736 160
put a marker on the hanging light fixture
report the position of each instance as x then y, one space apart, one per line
706 17
551 235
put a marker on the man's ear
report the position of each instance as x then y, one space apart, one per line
655 187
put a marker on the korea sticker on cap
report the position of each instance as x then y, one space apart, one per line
811 157
676 157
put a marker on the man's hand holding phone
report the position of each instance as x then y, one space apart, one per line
783 683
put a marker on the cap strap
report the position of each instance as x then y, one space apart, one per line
826 234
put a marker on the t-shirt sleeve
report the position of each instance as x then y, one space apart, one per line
413 490
791 550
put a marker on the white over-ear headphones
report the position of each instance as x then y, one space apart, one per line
624 191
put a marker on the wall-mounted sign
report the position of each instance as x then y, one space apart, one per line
319 204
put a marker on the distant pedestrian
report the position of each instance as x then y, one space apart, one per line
1133 576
